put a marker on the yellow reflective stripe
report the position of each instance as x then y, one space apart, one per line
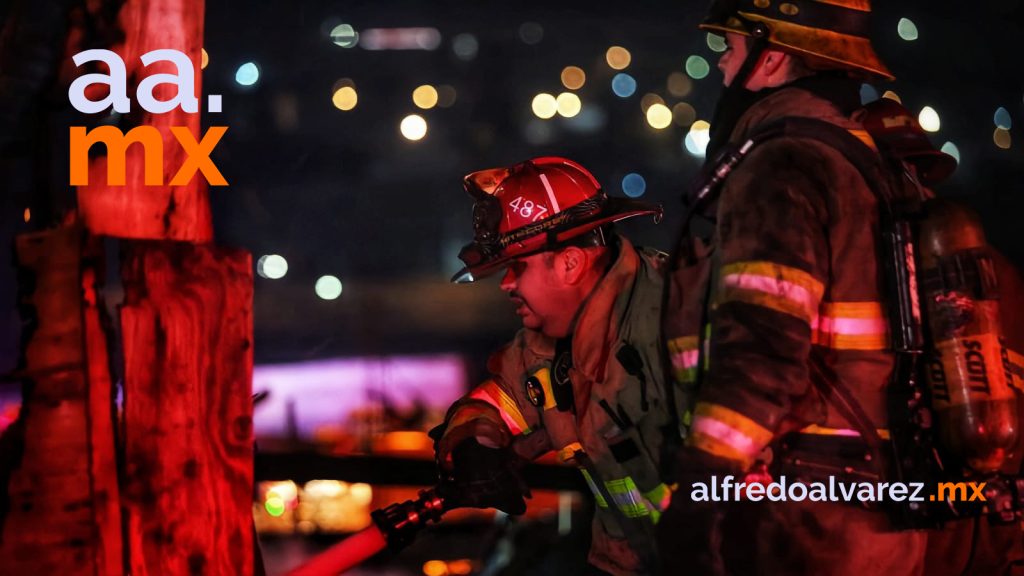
567 454
659 497
770 285
628 498
826 431
851 326
727 433
544 377
593 488
494 395
865 137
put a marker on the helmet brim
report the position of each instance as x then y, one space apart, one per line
613 210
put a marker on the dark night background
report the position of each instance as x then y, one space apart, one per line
343 193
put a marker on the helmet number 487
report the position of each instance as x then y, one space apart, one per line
526 208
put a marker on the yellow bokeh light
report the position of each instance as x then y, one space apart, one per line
573 77
568 104
679 85
892 96
345 98
28 214
205 60
618 57
425 97
435 568
544 105
659 116
650 100
683 114
413 127
1002 138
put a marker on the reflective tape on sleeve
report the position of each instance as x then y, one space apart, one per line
494 395
770 285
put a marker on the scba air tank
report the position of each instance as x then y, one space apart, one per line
971 395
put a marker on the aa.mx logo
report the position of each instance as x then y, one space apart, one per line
197 153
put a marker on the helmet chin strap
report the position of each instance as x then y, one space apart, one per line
735 97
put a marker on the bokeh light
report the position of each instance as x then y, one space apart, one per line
568 104
425 97
247 74
907 29
929 119
697 139
650 99
697 67
445 96
345 35
413 127
272 266
204 59
465 46
573 77
868 94
531 33
1003 119
717 42
683 114
345 98
435 568
634 185
328 287
659 116
892 96
1002 138
623 85
618 57
274 506
952 150
544 105
679 85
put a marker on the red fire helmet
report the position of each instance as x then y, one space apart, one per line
535 206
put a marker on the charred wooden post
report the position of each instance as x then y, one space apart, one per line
64 515
187 328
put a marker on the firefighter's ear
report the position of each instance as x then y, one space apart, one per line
570 264
772 62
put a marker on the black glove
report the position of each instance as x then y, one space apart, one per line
482 477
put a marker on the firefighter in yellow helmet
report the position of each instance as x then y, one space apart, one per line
584 376
776 322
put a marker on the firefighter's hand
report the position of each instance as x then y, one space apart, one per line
482 477
484 431
690 533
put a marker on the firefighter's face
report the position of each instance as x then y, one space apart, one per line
732 59
544 298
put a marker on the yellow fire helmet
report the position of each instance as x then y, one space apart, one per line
835 33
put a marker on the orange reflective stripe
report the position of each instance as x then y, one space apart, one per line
568 453
851 326
865 137
493 394
725 432
770 285
826 431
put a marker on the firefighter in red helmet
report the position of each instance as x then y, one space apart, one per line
776 322
583 377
